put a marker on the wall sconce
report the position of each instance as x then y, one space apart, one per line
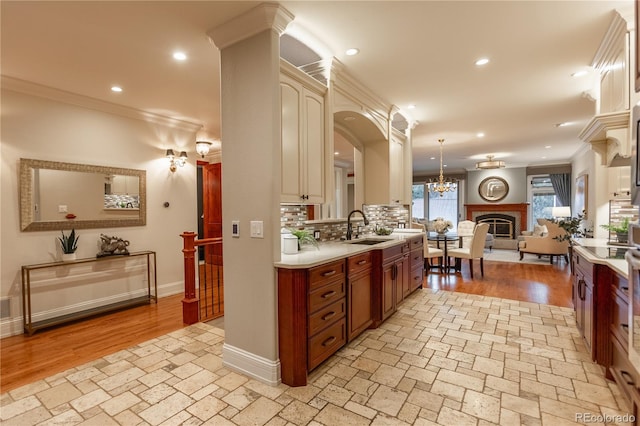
203 147
175 162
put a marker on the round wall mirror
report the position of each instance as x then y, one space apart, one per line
493 189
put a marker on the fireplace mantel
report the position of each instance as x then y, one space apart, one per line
521 208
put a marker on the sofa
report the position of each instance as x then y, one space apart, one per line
545 243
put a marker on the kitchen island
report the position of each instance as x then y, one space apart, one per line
601 301
328 296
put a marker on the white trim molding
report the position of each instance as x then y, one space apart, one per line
262 369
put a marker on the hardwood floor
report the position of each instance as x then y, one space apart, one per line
26 359
547 284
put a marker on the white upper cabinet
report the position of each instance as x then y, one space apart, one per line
396 171
303 142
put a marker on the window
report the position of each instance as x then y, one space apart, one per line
543 198
445 206
417 201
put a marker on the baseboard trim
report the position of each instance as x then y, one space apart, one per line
14 326
262 369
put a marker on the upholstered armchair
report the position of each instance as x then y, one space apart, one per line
547 244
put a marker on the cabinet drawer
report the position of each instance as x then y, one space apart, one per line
416 278
416 243
621 369
416 258
325 295
326 316
359 263
620 318
322 274
621 284
326 343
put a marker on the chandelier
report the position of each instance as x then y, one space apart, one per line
441 184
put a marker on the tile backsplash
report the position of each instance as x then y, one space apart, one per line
387 216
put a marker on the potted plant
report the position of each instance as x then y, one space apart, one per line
69 244
304 237
572 228
621 230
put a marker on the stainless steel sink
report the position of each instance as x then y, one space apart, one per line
366 242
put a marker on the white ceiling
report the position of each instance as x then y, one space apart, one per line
414 52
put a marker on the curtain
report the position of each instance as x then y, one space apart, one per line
562 186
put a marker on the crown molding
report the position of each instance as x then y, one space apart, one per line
266 16
34 89
608 47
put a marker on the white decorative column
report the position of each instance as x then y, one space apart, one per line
250 95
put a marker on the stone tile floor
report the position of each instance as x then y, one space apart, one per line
443 358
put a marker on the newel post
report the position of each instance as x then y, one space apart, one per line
190 301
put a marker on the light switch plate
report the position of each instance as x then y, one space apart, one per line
235 228
256 229
62 208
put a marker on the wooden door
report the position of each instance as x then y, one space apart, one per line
210 270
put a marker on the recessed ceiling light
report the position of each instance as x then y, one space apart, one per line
432 158
482 61
116 89
543 157
412 106
579 73
179 56
352 51
547 146
480 135
336 153
565 124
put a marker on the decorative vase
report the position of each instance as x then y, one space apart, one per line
623 237
442 231
67 257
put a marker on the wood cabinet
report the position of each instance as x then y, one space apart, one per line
416 264
392 281
311 318
321 308
583 300
303 139
359 295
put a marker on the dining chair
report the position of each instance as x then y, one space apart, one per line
431 253
475 250
465 232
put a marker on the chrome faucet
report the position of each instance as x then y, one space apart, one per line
349 227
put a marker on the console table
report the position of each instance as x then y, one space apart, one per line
30 326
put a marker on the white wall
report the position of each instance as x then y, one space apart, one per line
46 129
589 162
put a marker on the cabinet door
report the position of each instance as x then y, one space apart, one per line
403 281
313 127
291 154
588 315
396 169
388 290
360 313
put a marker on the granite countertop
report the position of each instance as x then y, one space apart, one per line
310 256
618 265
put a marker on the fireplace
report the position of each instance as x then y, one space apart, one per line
506 221
500 225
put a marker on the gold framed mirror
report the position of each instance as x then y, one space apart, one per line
58 196
493 189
